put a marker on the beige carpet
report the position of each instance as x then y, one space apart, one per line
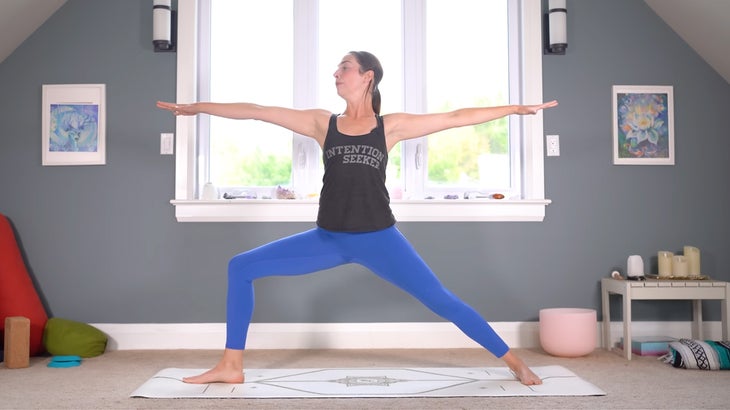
105 382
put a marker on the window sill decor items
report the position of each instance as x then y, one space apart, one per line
74 124
643 125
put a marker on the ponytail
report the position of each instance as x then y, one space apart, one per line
376 101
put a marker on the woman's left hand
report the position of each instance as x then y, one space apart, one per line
177 109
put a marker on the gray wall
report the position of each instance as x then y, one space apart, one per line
103 246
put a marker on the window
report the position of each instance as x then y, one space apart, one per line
481 60
248 154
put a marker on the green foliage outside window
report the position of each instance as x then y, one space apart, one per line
251 168
452 157
453 154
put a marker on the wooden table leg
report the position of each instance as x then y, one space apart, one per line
605 299
725 313
627 324
697 319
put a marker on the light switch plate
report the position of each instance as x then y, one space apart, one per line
553 145
167 143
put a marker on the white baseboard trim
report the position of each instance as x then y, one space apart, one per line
163 336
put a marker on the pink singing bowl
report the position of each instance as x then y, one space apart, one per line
568 332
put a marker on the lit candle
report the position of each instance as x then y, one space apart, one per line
679 266
664 259
693 260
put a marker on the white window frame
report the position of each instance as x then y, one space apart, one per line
531 208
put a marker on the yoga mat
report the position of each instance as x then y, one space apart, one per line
370 382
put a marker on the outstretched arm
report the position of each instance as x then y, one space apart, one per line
310 123
402 126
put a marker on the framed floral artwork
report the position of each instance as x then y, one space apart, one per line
643 125
74 131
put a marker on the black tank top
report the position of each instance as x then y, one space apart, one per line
354 197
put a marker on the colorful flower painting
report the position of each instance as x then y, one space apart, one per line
643 131
74 128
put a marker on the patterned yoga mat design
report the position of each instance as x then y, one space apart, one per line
370 382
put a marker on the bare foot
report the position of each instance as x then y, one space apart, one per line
228 370
216 375
520 370
526 376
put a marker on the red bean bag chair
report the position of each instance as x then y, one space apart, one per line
18 296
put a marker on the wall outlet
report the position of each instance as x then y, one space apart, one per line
166 143
552 142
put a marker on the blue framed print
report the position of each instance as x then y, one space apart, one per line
74 124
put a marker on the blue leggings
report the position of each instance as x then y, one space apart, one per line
385 252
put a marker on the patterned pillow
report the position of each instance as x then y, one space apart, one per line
699 354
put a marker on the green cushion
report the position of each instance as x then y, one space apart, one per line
67 337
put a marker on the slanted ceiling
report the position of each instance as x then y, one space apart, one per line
20 18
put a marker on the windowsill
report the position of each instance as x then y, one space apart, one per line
428 210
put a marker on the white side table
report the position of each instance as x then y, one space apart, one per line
653 289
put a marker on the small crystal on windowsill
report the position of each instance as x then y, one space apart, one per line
284 193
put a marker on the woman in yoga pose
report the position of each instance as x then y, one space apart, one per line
355 223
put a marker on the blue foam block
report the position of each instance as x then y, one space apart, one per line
65 361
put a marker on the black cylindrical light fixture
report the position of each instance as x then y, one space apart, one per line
557 31
162 25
